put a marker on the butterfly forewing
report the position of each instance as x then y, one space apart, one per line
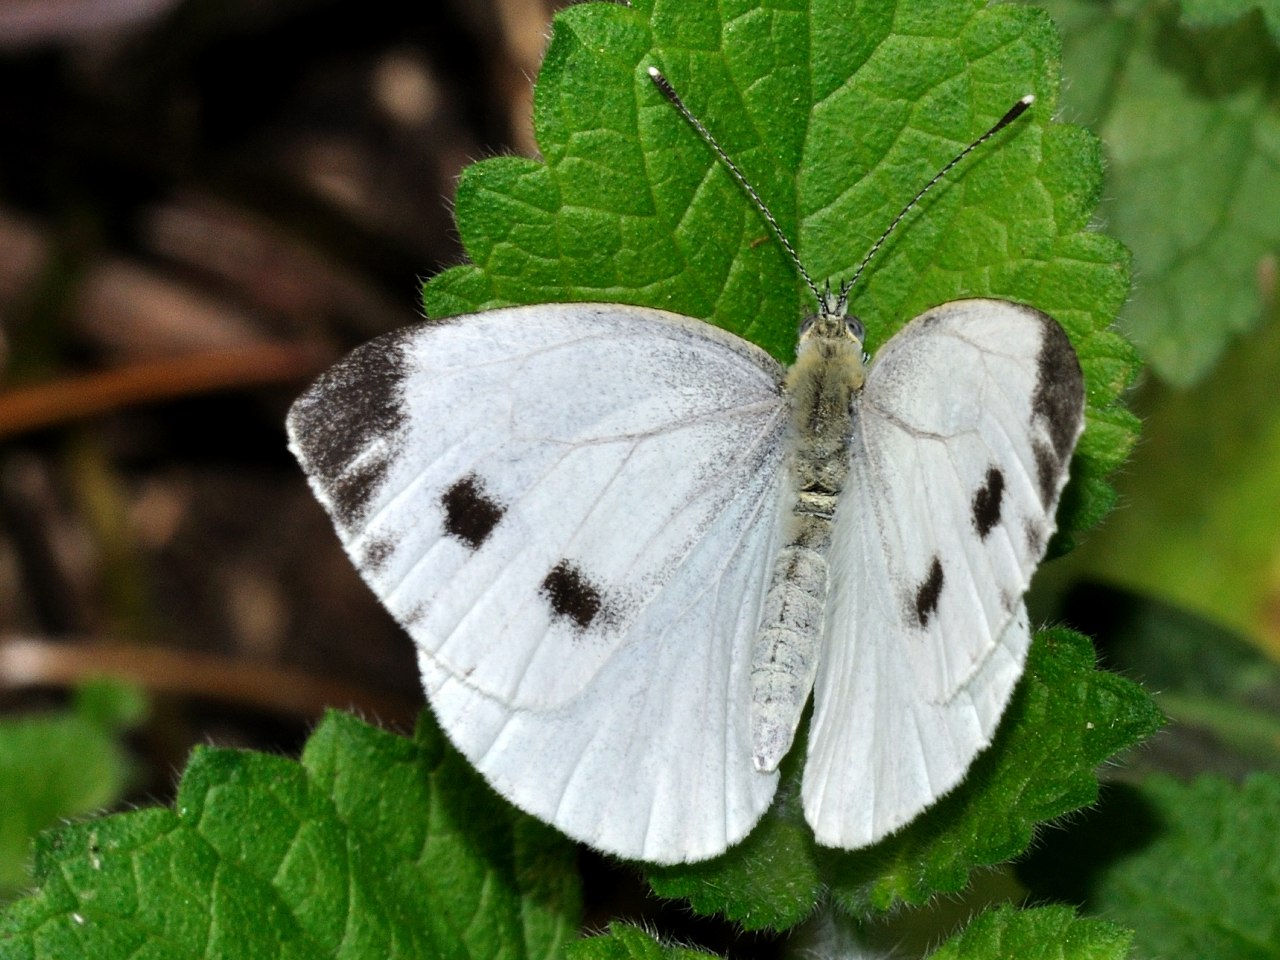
962 439
571 509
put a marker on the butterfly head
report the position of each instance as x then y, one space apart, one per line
830 346
832 326
832 323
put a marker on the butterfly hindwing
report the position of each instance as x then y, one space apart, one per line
572 509
652 759
962 438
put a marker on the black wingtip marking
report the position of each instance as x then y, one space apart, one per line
928 593
350 492
1058 403
1048 467
571 594
375 553
1059 392
987 501
354 404
1036 541
470 514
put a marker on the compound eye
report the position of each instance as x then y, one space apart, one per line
807 323
855 328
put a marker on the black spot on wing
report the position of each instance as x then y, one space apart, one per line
470 514
987 501
571 594
352 406
1057 405
928 593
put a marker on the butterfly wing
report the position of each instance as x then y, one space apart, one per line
572 509
963 435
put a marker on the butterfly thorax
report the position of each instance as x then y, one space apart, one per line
820 386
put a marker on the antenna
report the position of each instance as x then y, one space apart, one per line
668 91
842 300
1012 114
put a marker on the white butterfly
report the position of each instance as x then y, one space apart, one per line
628 544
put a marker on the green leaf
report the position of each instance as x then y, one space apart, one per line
1051 933
1193 136
60 765
625 942
1221 694
1065 718
372 846
770 881
1190 867
838 115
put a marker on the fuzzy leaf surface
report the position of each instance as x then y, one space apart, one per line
372 846
1065 719
1044 933
625 942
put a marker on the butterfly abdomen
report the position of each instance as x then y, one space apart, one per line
820 388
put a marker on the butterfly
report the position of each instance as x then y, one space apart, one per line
629 546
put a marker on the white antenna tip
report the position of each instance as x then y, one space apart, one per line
1029 99
655 72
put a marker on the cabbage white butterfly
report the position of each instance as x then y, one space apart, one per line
628 545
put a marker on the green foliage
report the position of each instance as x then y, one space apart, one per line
1225 904
372 846
1200 528
1218 12
1191 867
1221 694
1044 933
624 942
59 765
377 846
770 881
1065 719
1190 122
1051 933
837 116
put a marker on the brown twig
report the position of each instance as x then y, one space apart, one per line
29 408
27 661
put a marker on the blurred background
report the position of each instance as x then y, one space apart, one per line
202 205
